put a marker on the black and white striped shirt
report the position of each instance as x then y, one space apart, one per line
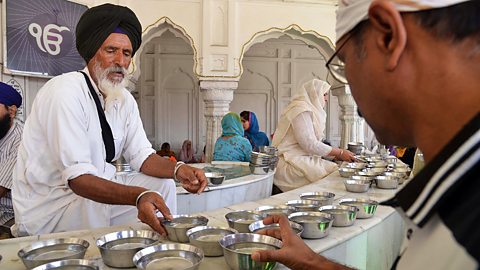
443 202
8 156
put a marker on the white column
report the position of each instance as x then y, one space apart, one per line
351 122
217 96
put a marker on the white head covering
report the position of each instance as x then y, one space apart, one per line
352 12
308 98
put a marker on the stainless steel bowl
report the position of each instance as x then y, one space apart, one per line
405 170
304 205
397 165
237 250
377 164
344 215
368 173
366 208
354 165
315 224
401 176
355 147
357 186
377 171
386 182
347 172
240 220
177 228
258 226
43 252
118 248
169 256
259 169
215 178
362 177
207 238
269 150
76 264
323 198
275 210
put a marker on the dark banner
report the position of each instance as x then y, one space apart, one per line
41 36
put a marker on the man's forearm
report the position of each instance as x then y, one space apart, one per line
158 166
3 191
104 191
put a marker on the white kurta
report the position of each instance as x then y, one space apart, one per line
298 138
62 140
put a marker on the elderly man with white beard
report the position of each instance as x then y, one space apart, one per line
79 123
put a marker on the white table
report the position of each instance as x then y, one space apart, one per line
369 244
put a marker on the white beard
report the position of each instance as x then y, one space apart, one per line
111 89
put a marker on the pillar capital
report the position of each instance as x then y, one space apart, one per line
217 96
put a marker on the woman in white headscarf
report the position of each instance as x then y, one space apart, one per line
299 136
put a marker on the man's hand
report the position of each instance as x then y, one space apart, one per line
192 179
147 206
294 254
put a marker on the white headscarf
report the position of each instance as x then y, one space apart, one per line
308 98
352 12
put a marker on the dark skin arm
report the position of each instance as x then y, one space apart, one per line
294 254
105 191
3 191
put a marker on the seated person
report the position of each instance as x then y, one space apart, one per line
252 130
10 137
187 154
166 152
299 136
232 146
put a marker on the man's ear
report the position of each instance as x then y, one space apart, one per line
12 111
391 36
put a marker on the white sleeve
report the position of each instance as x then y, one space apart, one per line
137 146
305 135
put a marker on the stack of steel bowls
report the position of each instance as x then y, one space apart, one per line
260 163
272 151
355 147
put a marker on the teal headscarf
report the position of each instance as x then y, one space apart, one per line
232 125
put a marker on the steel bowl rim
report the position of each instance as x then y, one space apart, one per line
228 215
166 222
259 225
363 201
59 263
102 240
196 229
311 203
169 247
51 242
214 174
326 194
250 238
341 207
329 217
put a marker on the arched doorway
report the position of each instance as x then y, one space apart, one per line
167 90
275 64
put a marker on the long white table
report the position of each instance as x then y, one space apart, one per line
369 244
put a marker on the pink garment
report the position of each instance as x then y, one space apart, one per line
186 154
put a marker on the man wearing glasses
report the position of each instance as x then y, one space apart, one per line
413 68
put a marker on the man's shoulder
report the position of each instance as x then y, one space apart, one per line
68 84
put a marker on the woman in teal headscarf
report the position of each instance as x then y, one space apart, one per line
232 146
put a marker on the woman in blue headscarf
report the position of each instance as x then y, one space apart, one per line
252 130
232 146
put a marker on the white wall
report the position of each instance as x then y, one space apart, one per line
220 32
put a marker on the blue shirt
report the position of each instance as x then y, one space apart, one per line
235 148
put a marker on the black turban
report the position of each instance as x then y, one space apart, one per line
97 23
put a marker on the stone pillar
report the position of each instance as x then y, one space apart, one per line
351 122
217 96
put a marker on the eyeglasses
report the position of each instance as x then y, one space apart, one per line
335 66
